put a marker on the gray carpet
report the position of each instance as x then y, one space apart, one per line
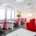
9 31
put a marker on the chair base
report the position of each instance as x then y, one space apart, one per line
2 32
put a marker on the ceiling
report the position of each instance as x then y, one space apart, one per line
26 4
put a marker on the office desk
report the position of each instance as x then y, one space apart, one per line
21 32
9 25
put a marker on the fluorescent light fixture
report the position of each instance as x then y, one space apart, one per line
5 4
19 0
30 14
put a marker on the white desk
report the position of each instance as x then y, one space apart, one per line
21 32
10 24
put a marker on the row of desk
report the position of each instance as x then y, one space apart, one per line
9 24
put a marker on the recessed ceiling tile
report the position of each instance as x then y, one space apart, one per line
34 5
27 1
10 0
33 0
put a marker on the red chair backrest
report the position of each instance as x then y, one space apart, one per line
23 19
4 24
32 20
17 21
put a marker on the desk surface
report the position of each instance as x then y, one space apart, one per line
6 22
21 32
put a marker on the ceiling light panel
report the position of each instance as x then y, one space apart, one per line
34 5
19 0
30 14
5 4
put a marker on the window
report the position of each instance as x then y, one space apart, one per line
13 14
8 14
2 14
16 15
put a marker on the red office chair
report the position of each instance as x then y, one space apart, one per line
4 24
16 24
17 21
23 20
30 25
4 27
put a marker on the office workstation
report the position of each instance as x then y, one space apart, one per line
17 17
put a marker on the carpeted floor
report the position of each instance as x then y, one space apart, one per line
15 28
